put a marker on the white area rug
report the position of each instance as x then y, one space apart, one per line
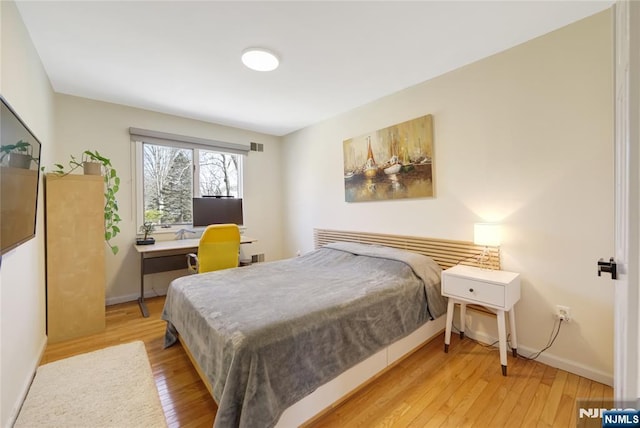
112 387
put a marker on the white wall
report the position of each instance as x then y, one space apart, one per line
77 124
524 138
26 87
83 124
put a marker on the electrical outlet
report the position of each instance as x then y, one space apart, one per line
563 313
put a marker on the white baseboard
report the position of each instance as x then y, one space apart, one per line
27 384
548 358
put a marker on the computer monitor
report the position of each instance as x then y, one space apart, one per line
217 210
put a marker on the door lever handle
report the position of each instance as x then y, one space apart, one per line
608 267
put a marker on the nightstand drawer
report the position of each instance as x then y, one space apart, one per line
474 290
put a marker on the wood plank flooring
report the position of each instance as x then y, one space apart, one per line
429 388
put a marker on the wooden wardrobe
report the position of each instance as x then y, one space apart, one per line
75 246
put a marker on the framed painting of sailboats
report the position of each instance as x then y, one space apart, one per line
391 163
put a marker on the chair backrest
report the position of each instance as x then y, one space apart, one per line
219 247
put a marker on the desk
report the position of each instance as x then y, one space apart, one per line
164 256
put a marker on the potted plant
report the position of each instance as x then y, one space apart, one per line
19 154
147 228
111 186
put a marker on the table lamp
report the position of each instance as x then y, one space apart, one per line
487 234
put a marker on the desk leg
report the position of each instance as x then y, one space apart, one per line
502 337
143 305
447 330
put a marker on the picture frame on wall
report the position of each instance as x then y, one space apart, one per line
395 162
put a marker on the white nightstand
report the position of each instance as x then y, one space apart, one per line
496 290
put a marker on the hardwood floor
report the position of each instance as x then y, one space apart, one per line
427 389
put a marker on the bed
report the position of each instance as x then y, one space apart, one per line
265 337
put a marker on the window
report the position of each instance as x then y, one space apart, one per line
218 173
172 172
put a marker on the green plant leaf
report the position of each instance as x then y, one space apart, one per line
111 186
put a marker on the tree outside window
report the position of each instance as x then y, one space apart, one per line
171 181
218 174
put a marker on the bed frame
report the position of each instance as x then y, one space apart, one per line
446 253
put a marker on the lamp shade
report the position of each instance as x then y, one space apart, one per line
487 234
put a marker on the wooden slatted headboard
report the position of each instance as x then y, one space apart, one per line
446 253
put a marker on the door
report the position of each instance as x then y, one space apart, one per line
627 200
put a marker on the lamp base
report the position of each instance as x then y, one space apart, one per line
485 260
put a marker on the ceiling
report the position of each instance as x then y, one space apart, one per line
183 58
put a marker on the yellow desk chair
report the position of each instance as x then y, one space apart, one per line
219 248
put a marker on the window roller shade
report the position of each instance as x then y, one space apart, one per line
157 137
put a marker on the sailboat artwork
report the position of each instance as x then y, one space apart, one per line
405 162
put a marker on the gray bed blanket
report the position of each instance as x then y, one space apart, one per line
269 334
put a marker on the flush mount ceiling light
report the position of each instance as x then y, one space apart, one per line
259 59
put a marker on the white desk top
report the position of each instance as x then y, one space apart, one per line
180 244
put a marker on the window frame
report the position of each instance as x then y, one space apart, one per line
138 167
